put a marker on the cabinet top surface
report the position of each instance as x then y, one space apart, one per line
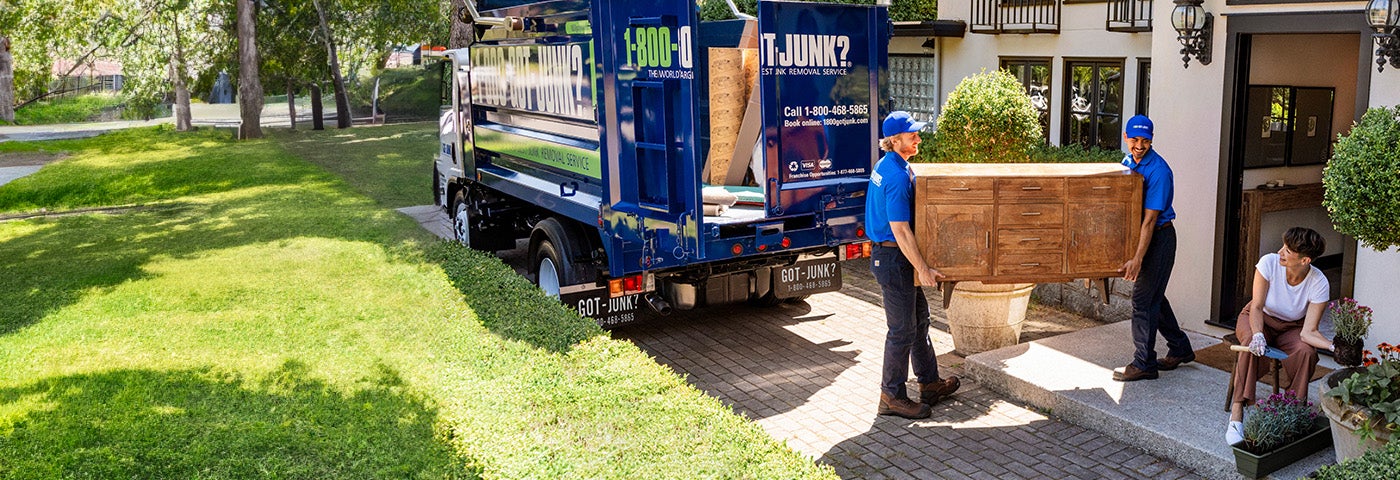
1017 169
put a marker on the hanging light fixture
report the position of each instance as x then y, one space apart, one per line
1384 16
1193 29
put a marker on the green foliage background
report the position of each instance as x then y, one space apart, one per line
900 10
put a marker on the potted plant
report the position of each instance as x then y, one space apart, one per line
987 119
1364 403
1277 432
1361 190
1350 323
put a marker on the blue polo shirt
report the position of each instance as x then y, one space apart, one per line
1157 184
889 197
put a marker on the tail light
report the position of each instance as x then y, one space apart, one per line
618 287
855 250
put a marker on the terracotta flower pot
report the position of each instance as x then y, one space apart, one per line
1347 419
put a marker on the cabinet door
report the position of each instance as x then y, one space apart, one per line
1099 236
957 239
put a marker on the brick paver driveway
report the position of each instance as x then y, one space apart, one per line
809 374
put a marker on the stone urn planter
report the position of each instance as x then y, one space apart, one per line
1256 465
984 317
1346 419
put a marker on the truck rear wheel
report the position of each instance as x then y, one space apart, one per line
554 246
547 265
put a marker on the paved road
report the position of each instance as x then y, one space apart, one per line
808 373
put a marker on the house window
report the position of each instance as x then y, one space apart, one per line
1034 74
1144 85
912 86
1093 113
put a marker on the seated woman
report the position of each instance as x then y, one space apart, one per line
1289 297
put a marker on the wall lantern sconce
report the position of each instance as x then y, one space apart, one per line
1193 27
1384 16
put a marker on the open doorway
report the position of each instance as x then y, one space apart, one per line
1290 93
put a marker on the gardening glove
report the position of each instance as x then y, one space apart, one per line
1257 345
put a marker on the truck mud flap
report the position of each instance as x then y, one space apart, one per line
594 303
807 277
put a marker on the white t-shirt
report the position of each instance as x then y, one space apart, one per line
1290 302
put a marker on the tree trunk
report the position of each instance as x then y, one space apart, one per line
7 81
291 103
317 111
460 33
183 122
250 95
342 101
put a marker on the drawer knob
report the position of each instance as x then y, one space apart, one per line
1030 187
1030 214
1032 239
1102 187
1030 264
959 189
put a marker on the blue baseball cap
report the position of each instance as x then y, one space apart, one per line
900 122
1138 126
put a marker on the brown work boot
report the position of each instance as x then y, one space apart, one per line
1170 362
902 407
930 393
1131 374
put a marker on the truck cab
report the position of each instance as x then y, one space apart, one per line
644 168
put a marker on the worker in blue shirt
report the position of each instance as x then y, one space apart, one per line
1151 265
895 261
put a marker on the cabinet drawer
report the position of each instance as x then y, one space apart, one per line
1019 189
1104 188
1030 264
955 189
1033 214
1014 240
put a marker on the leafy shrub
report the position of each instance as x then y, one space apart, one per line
1074 153
1376 390
988 119
1350 320
1362 181
1381 463
1276 421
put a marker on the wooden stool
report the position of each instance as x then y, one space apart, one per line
1277 365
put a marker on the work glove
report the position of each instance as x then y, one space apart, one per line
1257 345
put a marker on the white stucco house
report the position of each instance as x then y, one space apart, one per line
1284 77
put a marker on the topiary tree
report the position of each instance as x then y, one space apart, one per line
1362 180
988 119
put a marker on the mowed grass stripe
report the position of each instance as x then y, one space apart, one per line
263 319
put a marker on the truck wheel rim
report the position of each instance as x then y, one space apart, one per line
460 225
549 277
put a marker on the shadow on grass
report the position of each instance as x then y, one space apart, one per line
212 424
508 304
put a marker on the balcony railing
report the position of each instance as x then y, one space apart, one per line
1129 16
1015 16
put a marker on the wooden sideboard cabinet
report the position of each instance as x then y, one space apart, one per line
1026 222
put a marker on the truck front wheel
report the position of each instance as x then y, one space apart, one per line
461 219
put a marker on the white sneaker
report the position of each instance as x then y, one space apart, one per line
1234 433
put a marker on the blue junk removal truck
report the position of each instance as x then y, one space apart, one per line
656 161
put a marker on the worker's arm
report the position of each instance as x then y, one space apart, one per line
904 236
1133 266
1310 334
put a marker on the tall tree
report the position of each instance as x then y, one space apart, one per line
250 94
460 34
342 101
7 81
285 29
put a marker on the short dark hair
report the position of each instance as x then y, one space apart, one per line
1305 241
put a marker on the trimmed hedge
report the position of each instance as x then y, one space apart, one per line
1362 181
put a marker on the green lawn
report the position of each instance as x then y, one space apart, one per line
250 314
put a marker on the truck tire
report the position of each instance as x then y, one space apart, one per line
461 219
554 246
548 267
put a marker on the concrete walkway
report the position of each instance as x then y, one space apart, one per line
1179 416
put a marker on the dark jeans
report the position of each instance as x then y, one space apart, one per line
906 314
1152 312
